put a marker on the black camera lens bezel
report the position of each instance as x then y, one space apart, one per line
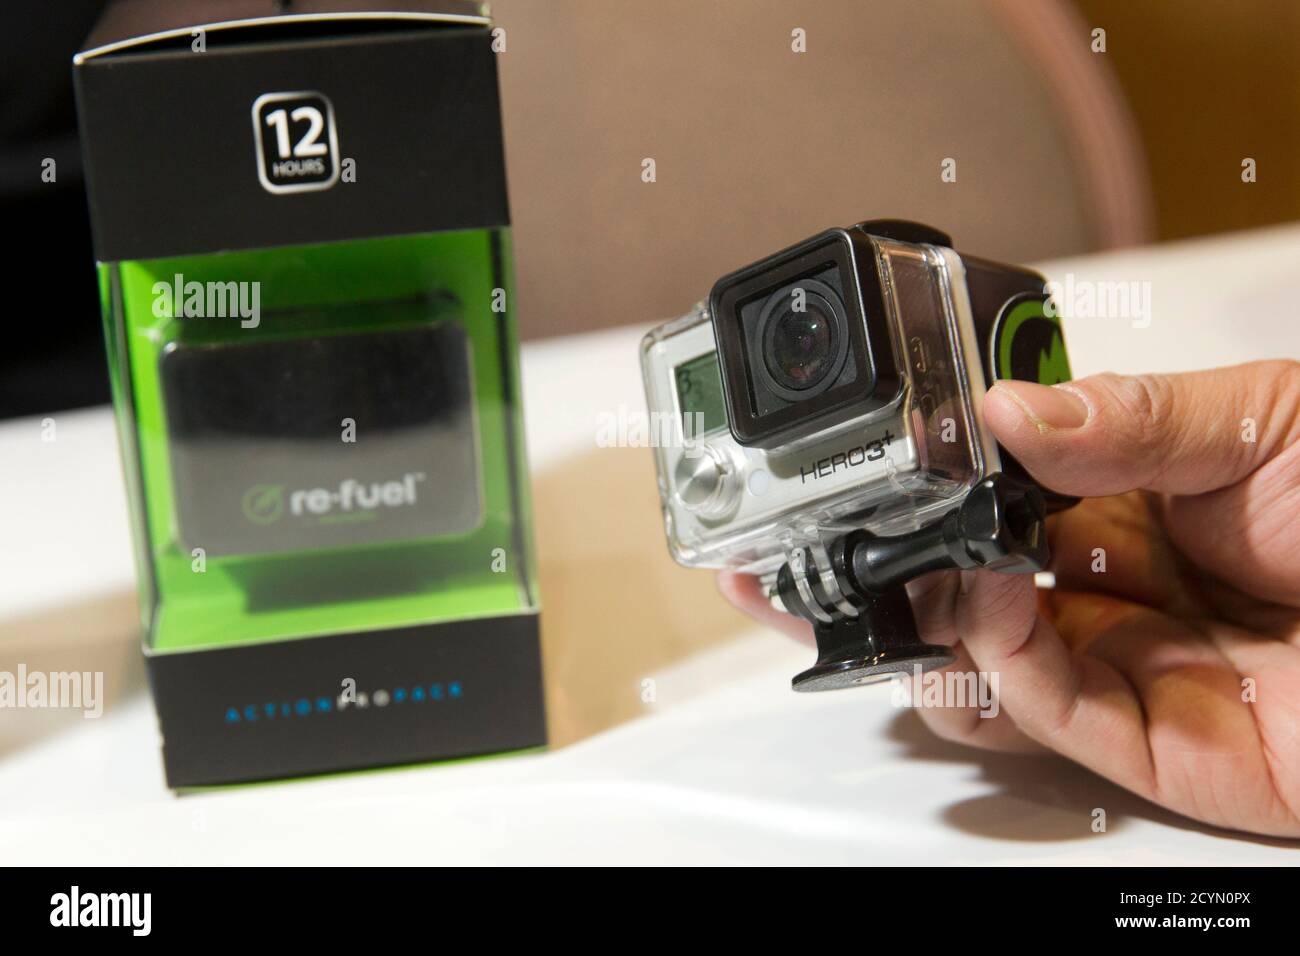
821 297
875 381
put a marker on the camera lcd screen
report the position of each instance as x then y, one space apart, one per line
699 392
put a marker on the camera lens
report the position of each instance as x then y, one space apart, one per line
801 348
802 342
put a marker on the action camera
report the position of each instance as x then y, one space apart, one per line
818 424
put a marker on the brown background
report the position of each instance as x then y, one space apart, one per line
1210 83
1060 151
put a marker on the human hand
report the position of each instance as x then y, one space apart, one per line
1175 671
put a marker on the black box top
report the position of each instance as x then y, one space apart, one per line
129 25
322 122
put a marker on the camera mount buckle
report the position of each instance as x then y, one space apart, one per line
853 591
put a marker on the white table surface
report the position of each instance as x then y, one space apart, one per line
727 765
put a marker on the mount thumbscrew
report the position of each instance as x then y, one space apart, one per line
856 596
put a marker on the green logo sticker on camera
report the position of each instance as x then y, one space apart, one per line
1027 343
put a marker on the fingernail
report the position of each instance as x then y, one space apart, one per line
1048 406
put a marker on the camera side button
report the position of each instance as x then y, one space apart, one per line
705 482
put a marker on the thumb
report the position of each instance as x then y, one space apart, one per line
1179 434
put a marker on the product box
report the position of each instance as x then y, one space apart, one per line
303 244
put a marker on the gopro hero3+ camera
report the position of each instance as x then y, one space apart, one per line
825 412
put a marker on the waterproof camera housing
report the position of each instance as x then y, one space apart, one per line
832 391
